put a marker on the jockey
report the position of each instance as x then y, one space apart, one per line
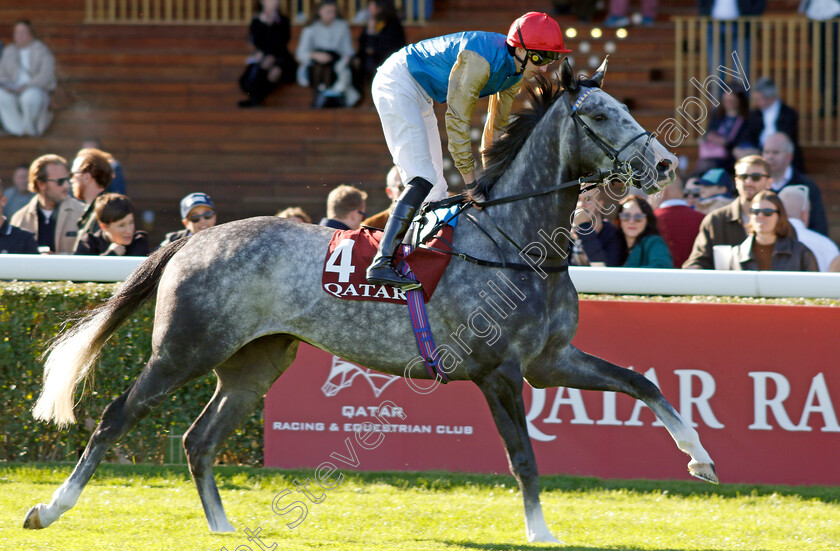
455 69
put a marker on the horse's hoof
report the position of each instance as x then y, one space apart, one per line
703 471
546 539
33 519
222 527
543 536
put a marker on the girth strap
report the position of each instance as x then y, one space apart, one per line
420 324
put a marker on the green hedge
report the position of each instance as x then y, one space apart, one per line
30 315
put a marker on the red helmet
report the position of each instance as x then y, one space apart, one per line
536 31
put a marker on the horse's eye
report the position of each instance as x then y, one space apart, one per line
599 118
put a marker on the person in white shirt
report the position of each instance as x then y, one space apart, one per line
795 199
27 76
324 52
770 116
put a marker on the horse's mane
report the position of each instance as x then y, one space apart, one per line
539 97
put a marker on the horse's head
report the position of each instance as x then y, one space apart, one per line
610 139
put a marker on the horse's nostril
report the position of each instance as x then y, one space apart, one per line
663 165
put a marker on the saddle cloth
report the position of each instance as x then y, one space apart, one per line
351 251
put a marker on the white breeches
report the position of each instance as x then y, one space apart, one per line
19 113
409 123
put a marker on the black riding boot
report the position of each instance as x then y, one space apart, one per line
382 270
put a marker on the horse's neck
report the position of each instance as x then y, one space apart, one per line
545 160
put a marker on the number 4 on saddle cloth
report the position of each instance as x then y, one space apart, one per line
351 251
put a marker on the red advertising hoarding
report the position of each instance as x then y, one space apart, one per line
761 384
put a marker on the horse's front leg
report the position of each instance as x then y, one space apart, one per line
576 369
502 389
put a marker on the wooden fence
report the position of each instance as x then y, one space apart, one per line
800 56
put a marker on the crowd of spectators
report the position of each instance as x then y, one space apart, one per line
324 59
726 226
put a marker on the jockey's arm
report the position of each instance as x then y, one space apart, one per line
468 76
498 116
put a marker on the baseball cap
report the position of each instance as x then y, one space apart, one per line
194 200
715 177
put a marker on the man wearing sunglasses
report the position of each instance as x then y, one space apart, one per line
90 175
457 70
729 225
197 213
51 214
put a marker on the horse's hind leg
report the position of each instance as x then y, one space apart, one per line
157 381
502 389
576 369
243 381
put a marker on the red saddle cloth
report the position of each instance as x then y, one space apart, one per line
351 252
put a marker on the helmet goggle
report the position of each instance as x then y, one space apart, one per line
540 58
537 57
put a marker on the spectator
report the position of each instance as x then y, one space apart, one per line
393 188
595 241
324 52
51 214
197 214
117 184
726 225
90 175
771 116
727 129
382 35
715 187
454 69
644 247
271 62
345 208
618 13
116 235
692 192
795 200
727 11
772 243
779 151
14 240
17 195
295 213
27 76
678 223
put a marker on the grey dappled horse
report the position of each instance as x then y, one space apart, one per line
239 297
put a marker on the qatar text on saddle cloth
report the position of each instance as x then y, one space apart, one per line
351 252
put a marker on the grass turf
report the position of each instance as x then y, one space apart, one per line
157 508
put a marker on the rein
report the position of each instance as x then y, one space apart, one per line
621 170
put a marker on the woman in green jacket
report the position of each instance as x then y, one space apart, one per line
644 247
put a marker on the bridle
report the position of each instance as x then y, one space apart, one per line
621 170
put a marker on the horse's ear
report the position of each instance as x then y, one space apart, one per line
567 75
598 77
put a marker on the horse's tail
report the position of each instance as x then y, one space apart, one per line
73 353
